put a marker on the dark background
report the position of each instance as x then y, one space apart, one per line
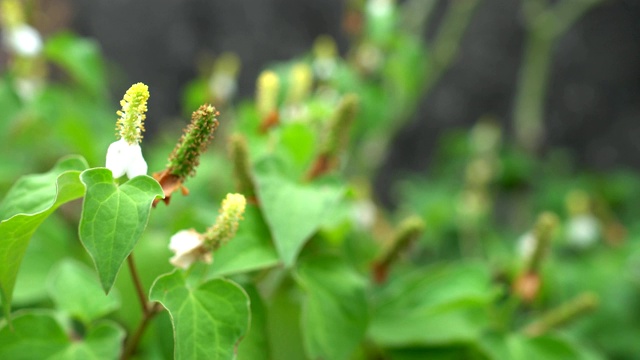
593 105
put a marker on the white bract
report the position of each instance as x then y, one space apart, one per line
24 40
583 231
124 158
188 246
526 245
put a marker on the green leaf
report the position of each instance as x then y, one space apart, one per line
251 249
255 345
437 353
284 328
53 241
80 57
297 142
113 219
38 335
208 319
335 312
518 347
75 288
437 306
294 212
29 202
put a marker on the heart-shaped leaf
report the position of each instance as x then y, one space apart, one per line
29 202
335 313
113 219
38 335
74 288
208 319
294 212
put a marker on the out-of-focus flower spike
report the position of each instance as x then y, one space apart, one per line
241 166
268 89
336 136
301 82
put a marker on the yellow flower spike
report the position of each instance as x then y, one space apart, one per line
267 93
301 82
12 13
227 223
325 47
130 123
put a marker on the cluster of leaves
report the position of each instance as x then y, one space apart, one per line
316 270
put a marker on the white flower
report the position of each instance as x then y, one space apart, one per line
188 246
24 40
380 8
124 158
526 245
583 231
363 213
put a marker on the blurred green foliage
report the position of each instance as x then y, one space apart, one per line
307 250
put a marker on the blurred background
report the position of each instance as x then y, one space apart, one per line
475 117
591 105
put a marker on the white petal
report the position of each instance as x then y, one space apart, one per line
183 261
117 158
136 165
184 241
25 40
187 246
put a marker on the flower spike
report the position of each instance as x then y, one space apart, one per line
185 157
227 223
130 125
125 155
241 167
190 246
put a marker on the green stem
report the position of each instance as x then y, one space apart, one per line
562 314
531 93
134 340
545 25
148 311
446 45
137 283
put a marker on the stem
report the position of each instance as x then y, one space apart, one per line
444 50
416 15
545 25
446 44
148 311
563 314
134 340
532 86
138 284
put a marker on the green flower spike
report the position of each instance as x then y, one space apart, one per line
190 246
227 223
336 136
408 232
527 285
185 157
241 166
